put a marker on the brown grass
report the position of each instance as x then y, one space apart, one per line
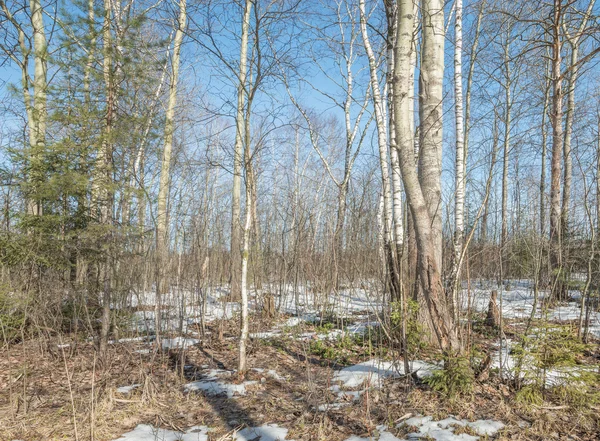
35 402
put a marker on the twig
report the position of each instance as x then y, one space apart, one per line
62 349
92 416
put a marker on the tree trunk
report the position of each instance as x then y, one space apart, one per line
235 268
568 168
543 271
162 230
430 110
397 215
39 112
425 230
382 142
506 154
556 118
459 170
493 314
242 361
101 193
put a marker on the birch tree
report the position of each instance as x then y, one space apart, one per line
430 117
162 236
396 179
460 160
342 46
240 132
238 152
556 119
423 213
382 142
574 40
35 106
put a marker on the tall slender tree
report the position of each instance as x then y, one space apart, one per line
162 231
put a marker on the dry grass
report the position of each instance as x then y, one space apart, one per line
36 404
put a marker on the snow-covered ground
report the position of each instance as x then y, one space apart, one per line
351 382
268 432
443 430
145 432
517 303
425 428
360 309
182 309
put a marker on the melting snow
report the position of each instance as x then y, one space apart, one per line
127 389
144 432
268 432
211 384
556 376
271 373
266 334
486 427
444 430
212 387
178 342
373 371
368 374
437 430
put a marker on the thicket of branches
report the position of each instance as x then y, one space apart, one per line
126 123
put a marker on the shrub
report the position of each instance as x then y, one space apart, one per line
456 378
12 317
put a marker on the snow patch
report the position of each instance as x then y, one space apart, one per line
443 430
268 432
179 342
145 432
486 427
374 371
265 334
271 373
127 389
368 374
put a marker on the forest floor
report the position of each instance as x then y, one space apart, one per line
307 381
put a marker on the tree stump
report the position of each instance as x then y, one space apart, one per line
483 371
269 305
493 315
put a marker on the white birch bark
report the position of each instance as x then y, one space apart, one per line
239 279
556 119
430 111
397 215
429 270
459 170
238 152
242 360
162 236
506 146
382 142
573 41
